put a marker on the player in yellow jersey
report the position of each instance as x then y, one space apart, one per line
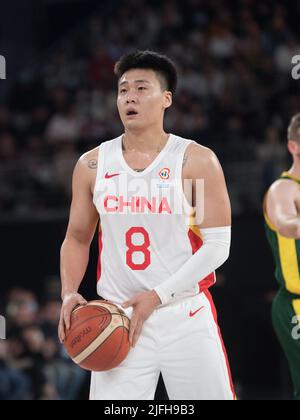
282 217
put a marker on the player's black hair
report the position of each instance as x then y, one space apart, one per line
162 65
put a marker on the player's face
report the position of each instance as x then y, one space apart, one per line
141 99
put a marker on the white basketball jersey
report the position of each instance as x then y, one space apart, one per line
145 232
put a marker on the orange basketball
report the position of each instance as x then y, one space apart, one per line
98 338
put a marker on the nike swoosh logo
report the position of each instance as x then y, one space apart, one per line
194 313
107 176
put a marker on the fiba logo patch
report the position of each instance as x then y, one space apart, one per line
165 174
2 328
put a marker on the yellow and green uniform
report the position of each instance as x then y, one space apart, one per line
286 306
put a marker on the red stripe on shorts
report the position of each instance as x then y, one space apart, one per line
214 312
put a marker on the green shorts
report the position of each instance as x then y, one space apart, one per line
286 308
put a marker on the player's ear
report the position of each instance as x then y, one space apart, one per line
292 146
168 99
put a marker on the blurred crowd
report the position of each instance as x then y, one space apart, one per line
235 94
33 364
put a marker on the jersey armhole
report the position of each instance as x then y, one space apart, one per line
188 209
100 169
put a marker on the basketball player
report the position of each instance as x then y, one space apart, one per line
156 261
282 209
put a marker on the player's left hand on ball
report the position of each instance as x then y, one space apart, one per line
143 305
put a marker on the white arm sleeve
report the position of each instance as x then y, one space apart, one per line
213 253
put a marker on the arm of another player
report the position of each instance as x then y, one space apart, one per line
75 248
282 209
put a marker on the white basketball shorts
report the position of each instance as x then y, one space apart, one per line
183 342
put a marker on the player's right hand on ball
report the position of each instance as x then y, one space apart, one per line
70 302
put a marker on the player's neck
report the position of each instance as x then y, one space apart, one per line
295 169
145 141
